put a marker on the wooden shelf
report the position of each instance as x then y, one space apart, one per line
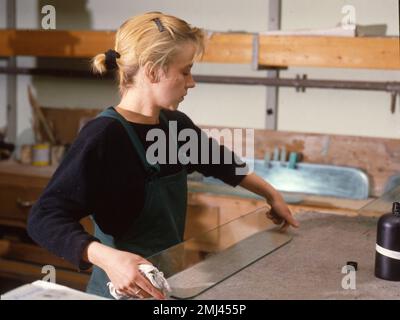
60 44
274 51
339 52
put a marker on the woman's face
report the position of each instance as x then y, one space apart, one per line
174 84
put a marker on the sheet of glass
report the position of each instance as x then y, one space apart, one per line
383 204
197 264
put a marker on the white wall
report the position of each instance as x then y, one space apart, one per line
350 112
326 111
25 19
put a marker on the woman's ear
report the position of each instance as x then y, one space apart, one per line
151 72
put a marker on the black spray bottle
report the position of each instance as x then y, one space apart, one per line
387 257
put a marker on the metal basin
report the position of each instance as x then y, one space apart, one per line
307 178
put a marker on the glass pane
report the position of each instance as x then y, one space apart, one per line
383 204
197 264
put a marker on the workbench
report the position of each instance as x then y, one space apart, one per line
310 265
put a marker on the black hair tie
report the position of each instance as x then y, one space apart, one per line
111 59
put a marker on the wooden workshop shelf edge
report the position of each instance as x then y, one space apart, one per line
339 52
59 43
274 51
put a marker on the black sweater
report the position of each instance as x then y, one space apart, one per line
102 174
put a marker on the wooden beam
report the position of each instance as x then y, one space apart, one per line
275 51
66 44
340 52
228 48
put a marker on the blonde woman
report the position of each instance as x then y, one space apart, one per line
138 208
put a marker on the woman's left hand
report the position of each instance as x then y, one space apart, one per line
280 213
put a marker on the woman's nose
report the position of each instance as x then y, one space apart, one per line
190 83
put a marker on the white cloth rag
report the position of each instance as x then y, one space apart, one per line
155 276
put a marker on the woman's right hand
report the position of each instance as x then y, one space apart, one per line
122 270
127 279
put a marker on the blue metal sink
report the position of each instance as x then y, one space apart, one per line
305 178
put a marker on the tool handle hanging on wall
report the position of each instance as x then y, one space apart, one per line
393 101
39 113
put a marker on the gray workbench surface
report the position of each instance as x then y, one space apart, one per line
310 266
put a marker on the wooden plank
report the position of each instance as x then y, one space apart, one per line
275 51
228 48
52 43
341 52
333 206
352 205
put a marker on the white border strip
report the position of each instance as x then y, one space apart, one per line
388 253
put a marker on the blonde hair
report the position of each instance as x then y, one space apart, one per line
151 37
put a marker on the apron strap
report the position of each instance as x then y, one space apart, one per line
112 113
